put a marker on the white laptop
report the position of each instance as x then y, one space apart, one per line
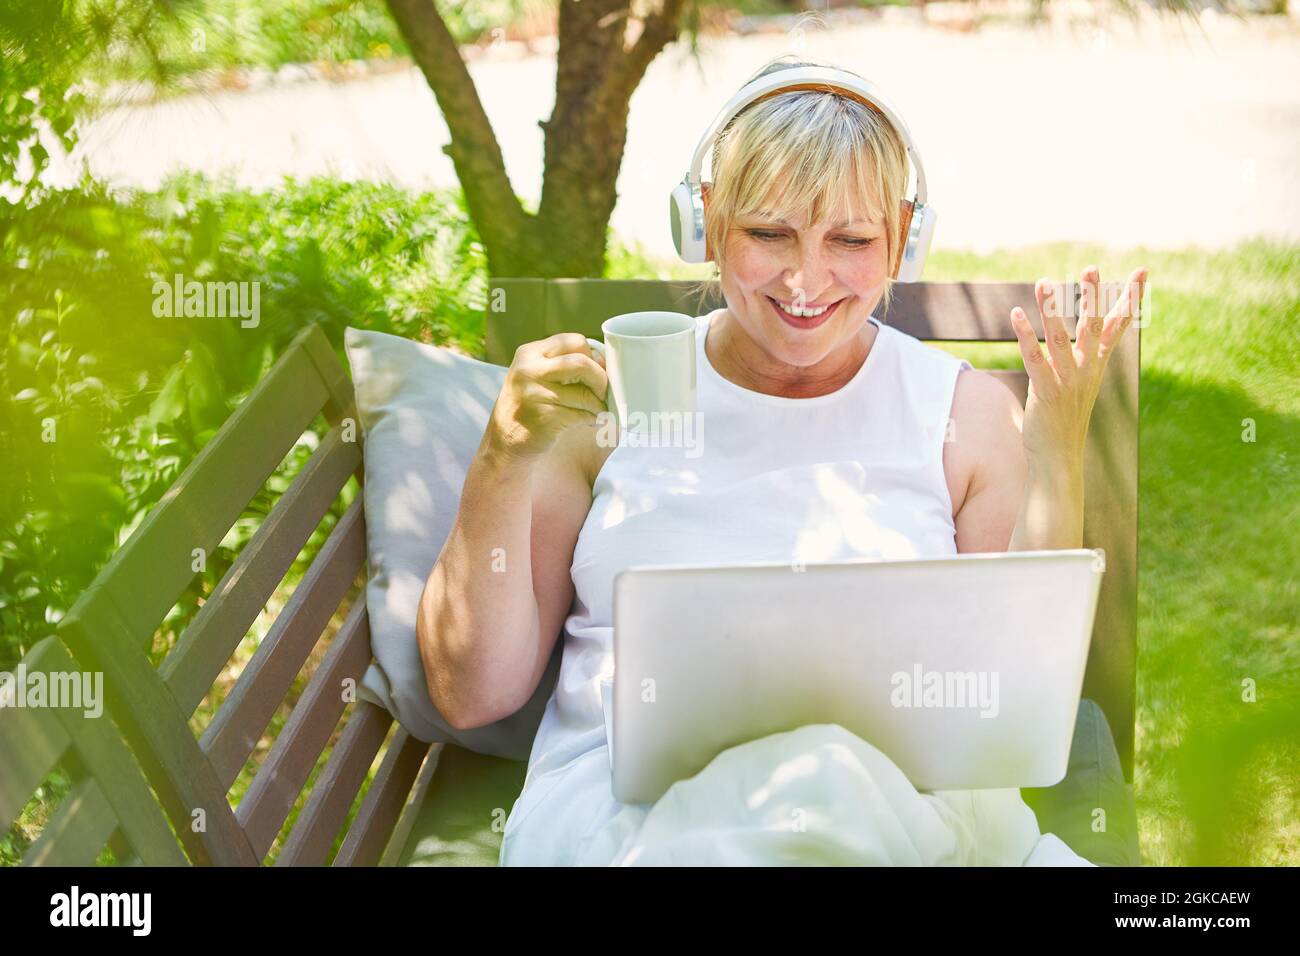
966 671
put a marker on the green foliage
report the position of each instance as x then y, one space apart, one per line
102 403
214 34
42 46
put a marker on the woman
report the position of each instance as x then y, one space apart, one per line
831 436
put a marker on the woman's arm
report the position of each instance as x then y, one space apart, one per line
496 599
493 605
986 442
1051 509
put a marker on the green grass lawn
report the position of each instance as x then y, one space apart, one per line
1218 542
1219 535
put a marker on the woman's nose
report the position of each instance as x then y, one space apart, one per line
807 274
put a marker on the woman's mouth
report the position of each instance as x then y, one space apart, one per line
804 321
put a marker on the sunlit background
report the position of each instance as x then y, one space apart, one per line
295 143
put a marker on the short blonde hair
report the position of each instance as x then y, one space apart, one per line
811 150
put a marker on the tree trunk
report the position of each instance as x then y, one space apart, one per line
598 68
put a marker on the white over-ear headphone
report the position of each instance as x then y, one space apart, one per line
686 204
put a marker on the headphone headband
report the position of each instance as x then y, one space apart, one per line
686 203
827 79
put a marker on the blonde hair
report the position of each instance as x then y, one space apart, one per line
811 150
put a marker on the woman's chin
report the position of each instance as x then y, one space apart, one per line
801 354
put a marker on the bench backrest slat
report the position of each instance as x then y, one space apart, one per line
529 309
105 758
336 787
266 679
381 813
282 775
109 802
158 732
525 310
234 605
83 823
32 739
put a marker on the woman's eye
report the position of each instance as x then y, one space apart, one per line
768 236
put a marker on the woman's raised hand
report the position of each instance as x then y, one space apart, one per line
1063 384
551 384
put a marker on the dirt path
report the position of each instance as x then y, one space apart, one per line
1164 137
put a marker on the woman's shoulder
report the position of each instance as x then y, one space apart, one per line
979 396
986 421
984 416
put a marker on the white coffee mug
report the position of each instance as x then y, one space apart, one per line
650 361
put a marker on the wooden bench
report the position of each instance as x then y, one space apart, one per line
421 805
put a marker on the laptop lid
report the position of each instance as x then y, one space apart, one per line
965 670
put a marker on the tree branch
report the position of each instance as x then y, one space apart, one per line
473 149
658 30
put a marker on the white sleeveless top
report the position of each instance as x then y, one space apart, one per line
857 473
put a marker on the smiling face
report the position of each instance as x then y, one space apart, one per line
802 213
779 273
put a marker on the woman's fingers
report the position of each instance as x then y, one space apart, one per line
1125 311
1041 376
572 367
1054 331
577 396
1089 325
562 342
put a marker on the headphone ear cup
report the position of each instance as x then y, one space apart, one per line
921 226
684 214
705 189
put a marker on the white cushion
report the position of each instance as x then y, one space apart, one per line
423 410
